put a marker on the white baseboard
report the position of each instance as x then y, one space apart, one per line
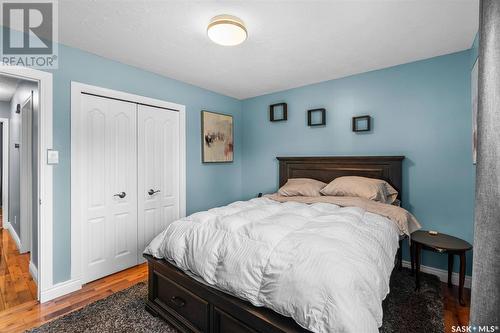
33 272
13 234
60 289
442 274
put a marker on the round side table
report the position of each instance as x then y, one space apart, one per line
440 243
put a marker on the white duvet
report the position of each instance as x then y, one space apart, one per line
325 266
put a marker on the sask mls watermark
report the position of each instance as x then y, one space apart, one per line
29 33
475 329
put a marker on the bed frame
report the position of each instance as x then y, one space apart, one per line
191 306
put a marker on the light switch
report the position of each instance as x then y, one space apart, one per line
52 156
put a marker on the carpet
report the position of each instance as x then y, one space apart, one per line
404 310
410 311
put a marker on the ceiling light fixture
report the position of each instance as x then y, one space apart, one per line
227 30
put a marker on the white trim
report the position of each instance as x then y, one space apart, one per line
13 234
33 271
442 274
182 162
60 289
5 171
76 90
45 171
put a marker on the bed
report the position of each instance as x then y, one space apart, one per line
192 305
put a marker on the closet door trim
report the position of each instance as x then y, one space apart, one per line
77 89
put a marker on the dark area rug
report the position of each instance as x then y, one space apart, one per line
404 310
410 311
119 313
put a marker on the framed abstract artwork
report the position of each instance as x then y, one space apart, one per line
217 141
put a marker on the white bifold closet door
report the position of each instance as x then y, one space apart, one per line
109 157
158 171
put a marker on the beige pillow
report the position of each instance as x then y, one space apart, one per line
369 188
305 187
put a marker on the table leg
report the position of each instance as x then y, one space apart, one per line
412 257
417 266
461 279
450 268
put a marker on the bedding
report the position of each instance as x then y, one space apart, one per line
363 187
302 187
326 266
405 221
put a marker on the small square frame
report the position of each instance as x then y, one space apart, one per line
323 117
356 123
272 116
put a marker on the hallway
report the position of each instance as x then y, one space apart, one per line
16 284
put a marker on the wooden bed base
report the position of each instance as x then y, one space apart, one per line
192 306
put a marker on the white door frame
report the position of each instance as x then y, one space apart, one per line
26 184
45 188
76 188
5 172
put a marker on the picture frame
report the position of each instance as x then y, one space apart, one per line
217 137
361 123
314 122
274 112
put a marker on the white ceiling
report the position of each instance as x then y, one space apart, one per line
290 43
8 86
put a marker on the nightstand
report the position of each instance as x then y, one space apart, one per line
440 243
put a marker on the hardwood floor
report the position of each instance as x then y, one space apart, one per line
33 314
454 313
20 311
16 284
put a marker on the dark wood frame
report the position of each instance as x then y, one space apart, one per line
355 120
323 117
192 306
271 112
203 137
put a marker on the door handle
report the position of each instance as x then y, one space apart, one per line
151 191
178 302
121 195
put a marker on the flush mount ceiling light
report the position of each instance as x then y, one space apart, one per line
227 30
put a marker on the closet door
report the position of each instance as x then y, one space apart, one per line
158 171
109 158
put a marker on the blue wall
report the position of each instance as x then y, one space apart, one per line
207 185
420 110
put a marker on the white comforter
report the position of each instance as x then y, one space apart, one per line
325 266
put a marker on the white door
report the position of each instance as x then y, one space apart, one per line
158 171
26 176
109 185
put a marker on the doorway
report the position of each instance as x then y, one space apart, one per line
34 241
19 253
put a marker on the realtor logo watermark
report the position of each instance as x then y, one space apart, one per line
29 34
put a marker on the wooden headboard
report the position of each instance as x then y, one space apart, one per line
327 168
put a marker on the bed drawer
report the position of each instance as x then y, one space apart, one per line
225 323
185 306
